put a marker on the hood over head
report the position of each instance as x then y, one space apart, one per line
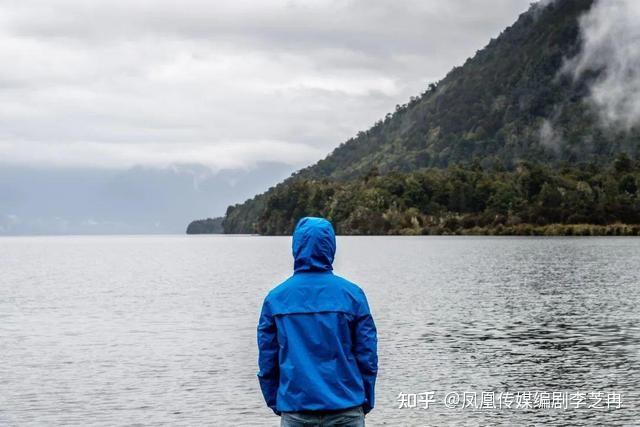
314 245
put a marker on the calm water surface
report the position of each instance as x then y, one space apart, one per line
160 330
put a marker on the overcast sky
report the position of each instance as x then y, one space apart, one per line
96 88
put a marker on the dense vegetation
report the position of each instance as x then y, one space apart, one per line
531 199
504 143
206 226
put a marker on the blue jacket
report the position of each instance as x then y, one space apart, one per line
316 337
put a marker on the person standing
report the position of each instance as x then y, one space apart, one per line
317 340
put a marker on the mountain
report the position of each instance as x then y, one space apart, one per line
206 226
514 112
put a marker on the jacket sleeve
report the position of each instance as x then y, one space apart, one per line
366 353
269 374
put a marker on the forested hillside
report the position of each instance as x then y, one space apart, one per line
206 226
455 157
532 199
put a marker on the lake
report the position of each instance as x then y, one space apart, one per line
161 330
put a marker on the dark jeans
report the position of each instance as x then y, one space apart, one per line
353 417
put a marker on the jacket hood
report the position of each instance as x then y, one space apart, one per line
314 245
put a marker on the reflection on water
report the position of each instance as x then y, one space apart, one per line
161 330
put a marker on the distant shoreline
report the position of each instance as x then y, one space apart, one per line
617 229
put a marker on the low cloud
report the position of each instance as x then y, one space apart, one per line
117 155
550 137
610 34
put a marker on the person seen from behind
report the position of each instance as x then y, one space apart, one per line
317 340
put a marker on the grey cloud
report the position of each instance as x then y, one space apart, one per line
377 25
209 74
611 46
